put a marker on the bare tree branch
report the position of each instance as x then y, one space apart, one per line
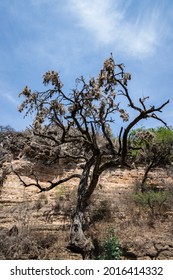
143 115
51 186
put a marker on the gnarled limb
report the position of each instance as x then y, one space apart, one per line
51 185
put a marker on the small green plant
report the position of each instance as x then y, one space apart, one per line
60 191
111 247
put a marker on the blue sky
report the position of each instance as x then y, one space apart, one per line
74 37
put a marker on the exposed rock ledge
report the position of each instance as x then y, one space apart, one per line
139 238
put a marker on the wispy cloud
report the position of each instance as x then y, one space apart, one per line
74 36
7 94
109 23
10 98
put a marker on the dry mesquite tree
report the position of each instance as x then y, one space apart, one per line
79 117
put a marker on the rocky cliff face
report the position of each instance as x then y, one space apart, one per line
46 217
36 225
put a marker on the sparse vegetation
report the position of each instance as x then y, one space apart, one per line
155 201
151 148
153 144
101 212
30 246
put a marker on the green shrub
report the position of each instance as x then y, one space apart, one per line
153 200
163 135
111 247
152 143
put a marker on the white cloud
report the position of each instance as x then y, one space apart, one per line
110 23
6 93
10 98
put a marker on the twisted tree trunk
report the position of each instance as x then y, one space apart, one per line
79 242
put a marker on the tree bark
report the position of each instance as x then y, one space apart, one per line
79 243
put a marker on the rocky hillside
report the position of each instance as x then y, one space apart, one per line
36 225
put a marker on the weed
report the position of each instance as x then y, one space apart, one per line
111 247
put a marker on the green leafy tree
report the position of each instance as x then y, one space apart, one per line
91 107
